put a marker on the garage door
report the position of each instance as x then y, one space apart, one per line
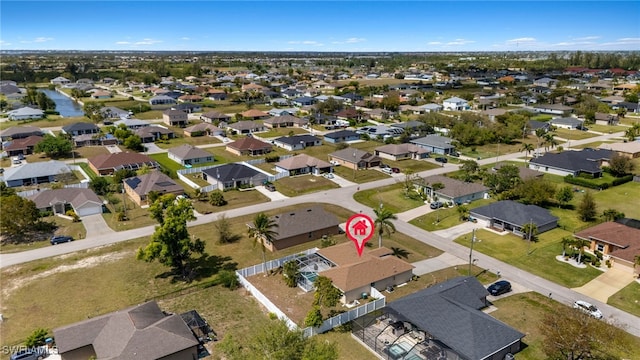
89 210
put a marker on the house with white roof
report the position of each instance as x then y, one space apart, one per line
35 173
25 113
455 104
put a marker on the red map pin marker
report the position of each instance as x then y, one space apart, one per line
359 229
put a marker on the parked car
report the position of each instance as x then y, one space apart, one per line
442 159
455 154
436 205
334 163
328 175
499 287
587 308
387 170
395 170
57 239
270 187
29 354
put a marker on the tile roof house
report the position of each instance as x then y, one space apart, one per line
248 146
451 190
175 117
139 332
572 162
107 164
403 151
202 129
19 132
303 164
513 216
453 323
354 275
214 117
189 155
139 187
246 127
355 158
302 225
80 128
82 201
284 121
615 240
436 144
233 175
298 142
35 173
22 146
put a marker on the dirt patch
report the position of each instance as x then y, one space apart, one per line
294 302
9 286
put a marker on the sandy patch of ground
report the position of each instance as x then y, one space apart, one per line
9 286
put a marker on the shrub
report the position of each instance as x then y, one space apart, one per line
73 215
228 279
216 198
37 338
273 316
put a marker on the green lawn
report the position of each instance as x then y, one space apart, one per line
92 175
536 257
165 162
525 312
64 227
627 299
235 199
573 134
392 197
303 184
359 176
445 218
182 140
136 216
493 150
607 129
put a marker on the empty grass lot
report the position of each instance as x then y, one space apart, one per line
627 299
392 197
525 312
235 199
64 227
537 257
493 150
573 134
303 184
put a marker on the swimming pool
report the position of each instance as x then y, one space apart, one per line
311 276
398 350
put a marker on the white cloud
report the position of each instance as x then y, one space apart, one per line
434 43
185 38
4 43
587 38
147 42
39 39
353 40
123 43
521 40
460 42
305 42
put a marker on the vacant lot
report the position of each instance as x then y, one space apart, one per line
303 184
392 197
538 258
235 199
573 134
627 299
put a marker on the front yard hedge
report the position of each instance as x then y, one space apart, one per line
597 185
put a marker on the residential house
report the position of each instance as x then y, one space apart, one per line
355 158
25 113
452 326
107 164
283 111
553 109
188 107
233 176
189 155
83 202
534 125
80 128
140 332
341 136
249 146
355 275
95 140
60 81
349 114
162 100
132 124
303 164
22 146
606 119
301 226
512 216
253 114
285 121
215 117
569 123
101 94
303 101
175 118
189 98
139 186
572 162
448 190
297 142
246 127
411 126
154 133
545 81
216 94
403 151
35 173
616 241
436 144
380 131
455 104
112 112
379 114
630 149
203 129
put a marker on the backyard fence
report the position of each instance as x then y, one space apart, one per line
341 319
83 185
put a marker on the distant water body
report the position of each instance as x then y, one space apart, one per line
64 105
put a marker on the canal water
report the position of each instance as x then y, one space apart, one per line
65 106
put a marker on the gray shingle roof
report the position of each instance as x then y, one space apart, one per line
450 312
515 213
80 126
75 197
586 161
34 170
435 141
293 140
187 152
153 181
303 221
228 172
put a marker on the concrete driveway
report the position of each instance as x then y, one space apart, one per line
273 195
455 232
96 226
607 284
440 262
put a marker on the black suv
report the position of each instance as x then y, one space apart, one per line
57 239
270 187
499 288
442 159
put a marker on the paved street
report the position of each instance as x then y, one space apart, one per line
344 197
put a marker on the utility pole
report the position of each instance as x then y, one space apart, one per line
473 239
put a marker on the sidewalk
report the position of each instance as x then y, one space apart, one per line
440 262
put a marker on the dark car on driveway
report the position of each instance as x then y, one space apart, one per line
270 187
395 170
57 239
499 288
442 159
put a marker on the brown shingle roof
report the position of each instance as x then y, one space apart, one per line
153 181
253 113
249 144
186 152
302 161
613 233
20 144
399 149
109 161
353 271
302 221
75 197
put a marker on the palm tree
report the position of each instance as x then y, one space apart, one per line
463 211
261 231
566 241
400 252
580 244
539 135
383 222
527 148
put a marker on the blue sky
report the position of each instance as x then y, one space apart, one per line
319 25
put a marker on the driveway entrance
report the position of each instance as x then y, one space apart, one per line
607 284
